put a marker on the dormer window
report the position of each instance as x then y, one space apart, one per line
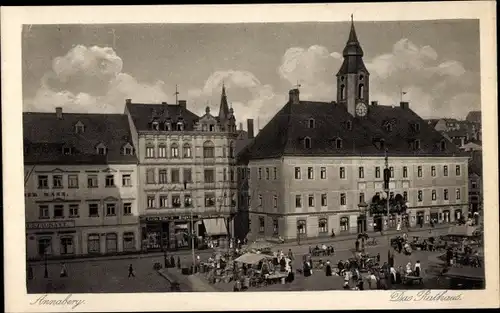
307 143
127 149
167 126
155 125
416 127
79 128
388 127
338 143
415 144
101 149
349 125
67 150
212 127
442 145
311 123
379 143
180 126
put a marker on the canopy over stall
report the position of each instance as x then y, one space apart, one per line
215 226
251 258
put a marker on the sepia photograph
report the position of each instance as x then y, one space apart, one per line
276 156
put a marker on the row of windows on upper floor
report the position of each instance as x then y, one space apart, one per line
378 170
180 126
210 200
100 149
73 181
209 176
413 144
208 150
59 211
388 126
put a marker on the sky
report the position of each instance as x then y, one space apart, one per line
94 68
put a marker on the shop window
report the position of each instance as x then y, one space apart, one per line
45 245
344 223
67 245
275 226
301 227
111 243
261 224
93 244
128 241
323 225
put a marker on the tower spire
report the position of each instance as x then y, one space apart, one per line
224 107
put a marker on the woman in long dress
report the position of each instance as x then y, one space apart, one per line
328 269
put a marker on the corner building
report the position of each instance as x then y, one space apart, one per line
186 173
80 185
317 166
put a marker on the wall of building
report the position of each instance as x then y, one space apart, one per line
77 225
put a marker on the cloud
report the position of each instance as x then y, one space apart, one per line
90 79
435 86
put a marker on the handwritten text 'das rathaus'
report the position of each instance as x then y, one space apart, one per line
44 300
425 295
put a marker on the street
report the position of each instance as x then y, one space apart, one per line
112 275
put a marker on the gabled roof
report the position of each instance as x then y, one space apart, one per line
284 134
143 114
45 137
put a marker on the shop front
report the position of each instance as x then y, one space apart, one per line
54 238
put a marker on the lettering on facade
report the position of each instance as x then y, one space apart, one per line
180 217
50 225
46 194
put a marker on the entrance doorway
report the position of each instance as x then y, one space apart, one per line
361 224
420 218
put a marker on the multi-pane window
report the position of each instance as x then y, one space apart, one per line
188 202
126 180
43 182
110 181
457 194
275 226
208 150
297 173
73 210
110 209
377 172
58 211
323 173
92 181
127 208
150 151
405 172
128 241
162 176
93 243
176 201
301 227
151 201
187 175
445 170
344 223
361 172
433 171
405 195
93 210
342 172
260 173
175 176
324 201
209 200
311 201
261 224
174 150
43 212
72 181
445 194
267 173
419 171
343 200
162 151
391 169
298 201
57 181
67 245
275 173
361 197
163 201
420 196
310 173
186 150
457 170
209 176
434 196
323 225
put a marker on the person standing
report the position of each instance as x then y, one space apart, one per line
378 257
131 271
417 269
356 245
328 269
290 254
64 271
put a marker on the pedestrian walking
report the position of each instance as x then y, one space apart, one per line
172 261
64 271
131 271
178 262
378 257
417 269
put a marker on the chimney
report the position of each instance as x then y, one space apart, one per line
404 105
294 96
128 101
183 104
59 113
250 128
374 103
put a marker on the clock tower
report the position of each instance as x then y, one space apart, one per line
353 86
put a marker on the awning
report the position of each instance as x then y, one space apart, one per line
251 258
215 226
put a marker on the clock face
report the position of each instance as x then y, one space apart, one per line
361 109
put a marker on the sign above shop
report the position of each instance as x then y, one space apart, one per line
165 218
50 225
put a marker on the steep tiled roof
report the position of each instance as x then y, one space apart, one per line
286 133
474 116
45 137
143 114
